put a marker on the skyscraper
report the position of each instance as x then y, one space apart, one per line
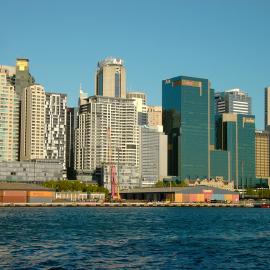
154 115
9 116
72 124
233 101
110 78
32 123
23 76
236 134
262 154
55 127
267 107
188 105
108 133
198 149
140 104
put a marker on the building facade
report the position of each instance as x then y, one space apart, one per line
110 78
55 127
236 135
9 116
72 124
153 157
267 108
233 101
154 115
32 123
140 104
31 171
108 134
262 154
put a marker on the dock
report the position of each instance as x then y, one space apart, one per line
128 204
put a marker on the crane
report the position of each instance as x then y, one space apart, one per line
112 170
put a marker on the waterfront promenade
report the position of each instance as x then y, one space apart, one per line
127 204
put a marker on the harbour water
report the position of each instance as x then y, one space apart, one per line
134 238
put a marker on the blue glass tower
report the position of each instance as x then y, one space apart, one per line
196 148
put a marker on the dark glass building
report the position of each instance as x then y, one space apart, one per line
196 149
236 134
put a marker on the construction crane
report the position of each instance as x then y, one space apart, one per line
112 170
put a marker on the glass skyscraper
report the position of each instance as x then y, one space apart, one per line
195 148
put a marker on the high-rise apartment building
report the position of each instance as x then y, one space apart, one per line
267 108
140 104
72 124
262 154
233 101
55 127
107 134
23 77
153 157
110 78
9 116
32 123
154 115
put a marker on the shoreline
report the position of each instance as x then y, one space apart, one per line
128 204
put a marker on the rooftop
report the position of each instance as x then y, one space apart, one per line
185 190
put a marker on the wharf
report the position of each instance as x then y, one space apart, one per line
126 204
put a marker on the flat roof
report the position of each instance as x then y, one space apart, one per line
185 190
22 186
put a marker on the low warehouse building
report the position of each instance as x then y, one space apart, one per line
25 193
182 194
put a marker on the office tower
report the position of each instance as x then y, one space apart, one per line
267 107
153 157
236 135
32 123
72 124
140 104
188 122
262 154
233 101
23 77
154 114
198 149
9 116
110 78
55 127
107 134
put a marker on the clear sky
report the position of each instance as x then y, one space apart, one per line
225 41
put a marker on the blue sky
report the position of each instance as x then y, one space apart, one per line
227 42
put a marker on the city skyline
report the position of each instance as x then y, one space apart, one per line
223 41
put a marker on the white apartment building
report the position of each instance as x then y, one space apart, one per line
9 116
108 133
55 127
233 101
32 123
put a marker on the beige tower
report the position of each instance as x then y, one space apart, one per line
110 78
154 116
262 154
32 123
9 116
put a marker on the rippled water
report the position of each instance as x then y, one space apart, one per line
123 238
